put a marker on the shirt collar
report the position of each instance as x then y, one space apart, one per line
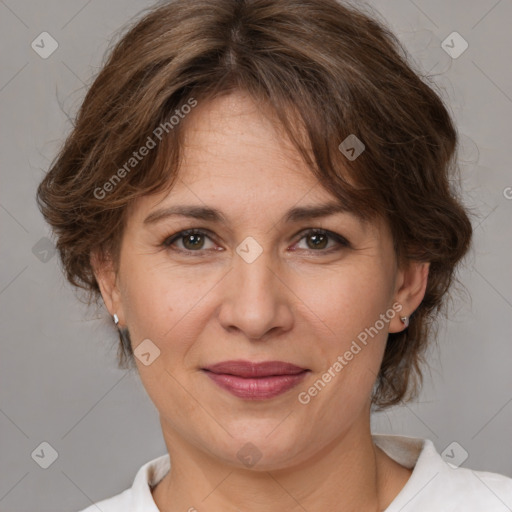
428 476
431 481
147 477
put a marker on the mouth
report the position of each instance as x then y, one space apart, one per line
256 381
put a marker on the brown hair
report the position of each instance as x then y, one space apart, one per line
327 70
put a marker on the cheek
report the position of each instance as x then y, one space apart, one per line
349 303
148 299
158 308
167 305
347 300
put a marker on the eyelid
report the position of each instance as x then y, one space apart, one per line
322 231
341 240
169 240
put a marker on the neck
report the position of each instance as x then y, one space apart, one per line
350 473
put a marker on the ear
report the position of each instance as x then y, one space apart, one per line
107 279
411 284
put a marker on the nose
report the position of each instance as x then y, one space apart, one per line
256 300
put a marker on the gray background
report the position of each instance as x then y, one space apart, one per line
59 381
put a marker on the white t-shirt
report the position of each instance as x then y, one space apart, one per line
434 485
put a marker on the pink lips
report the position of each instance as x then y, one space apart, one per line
256 381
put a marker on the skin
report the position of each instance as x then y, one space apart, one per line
303 306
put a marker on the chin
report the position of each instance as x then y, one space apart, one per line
259 449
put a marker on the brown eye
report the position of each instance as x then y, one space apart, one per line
317 240
191 240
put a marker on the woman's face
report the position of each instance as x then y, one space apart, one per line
255 287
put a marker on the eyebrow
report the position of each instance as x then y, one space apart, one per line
296 214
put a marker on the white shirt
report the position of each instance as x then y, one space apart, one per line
434 485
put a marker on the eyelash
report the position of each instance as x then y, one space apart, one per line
343 242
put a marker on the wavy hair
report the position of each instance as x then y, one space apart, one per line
326 70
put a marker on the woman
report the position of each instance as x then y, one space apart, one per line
260 194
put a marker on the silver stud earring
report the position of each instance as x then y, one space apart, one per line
116 319
405 320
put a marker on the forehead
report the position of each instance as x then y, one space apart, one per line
234 136
237 159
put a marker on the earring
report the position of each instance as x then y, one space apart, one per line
405 320
116 320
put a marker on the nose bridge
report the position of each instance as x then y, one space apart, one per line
256 301
254 278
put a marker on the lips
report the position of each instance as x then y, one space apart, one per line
255 381
248 369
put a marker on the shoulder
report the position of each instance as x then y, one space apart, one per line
480 490
138 498
438 485
119 503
